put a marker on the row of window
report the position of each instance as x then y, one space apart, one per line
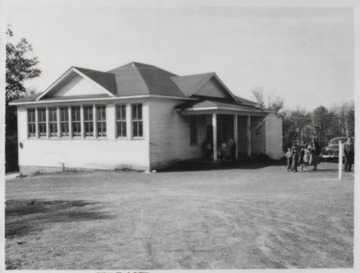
69 121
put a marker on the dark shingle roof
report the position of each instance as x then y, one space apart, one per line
28 98
245 101
142 79
189 84
106 80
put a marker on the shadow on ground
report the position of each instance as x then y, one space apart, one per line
199 165
24 216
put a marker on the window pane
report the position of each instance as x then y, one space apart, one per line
42 115
64 114
139 109
135 129
140 129
101 120
137 125
31 115
75 113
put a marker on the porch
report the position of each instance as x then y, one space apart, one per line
226 130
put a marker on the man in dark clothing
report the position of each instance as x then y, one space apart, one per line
349 154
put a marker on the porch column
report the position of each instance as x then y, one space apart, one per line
236 136
214 127
248 130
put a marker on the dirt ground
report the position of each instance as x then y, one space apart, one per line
251 216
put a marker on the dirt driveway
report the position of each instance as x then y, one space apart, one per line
254 216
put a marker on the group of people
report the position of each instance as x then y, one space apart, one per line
221 149
303 156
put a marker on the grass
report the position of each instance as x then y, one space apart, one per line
252 216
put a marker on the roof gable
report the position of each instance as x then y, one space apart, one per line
79 81
212 88
208 85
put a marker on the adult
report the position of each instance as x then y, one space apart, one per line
349 154
315 145
314 160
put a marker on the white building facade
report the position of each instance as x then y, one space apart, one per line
138 117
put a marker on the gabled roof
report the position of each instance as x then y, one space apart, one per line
137 79
142 79
245 101
189 84
103 80
106 80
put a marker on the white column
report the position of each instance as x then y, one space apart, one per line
236 138
47 122
214 126
37 123
70 123
128 121
58 121
82 121
94 121
248 130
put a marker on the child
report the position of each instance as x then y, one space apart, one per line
294 154
289 159
306 159
223 149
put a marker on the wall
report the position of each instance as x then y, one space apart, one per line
258 143
273 128
170 135
78 86
106 153
242 136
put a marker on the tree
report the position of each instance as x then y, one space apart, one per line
20 66
258 93
273 103
297 128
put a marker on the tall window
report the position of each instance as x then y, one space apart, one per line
88 121
53 129
31 123
101 120
193 130
76 121
64 121
137 122
42 122
121 120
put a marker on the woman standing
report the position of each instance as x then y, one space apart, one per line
314 160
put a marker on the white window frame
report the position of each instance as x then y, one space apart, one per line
121 121
136 120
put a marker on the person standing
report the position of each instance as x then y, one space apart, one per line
349 154
301 157
313 157
294 153
289 159
306 158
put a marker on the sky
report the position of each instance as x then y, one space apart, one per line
302 54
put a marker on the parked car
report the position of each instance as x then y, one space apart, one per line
332 150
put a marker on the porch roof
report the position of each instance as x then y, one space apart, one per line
215 105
